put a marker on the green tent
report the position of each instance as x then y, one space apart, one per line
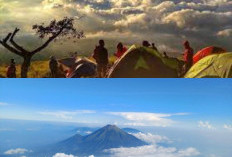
142 62
213 66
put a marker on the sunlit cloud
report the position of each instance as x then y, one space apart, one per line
146 119
16 151
153 150
152 138
204 22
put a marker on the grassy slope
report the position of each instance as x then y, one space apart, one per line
38 69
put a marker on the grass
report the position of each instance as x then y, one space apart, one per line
38 69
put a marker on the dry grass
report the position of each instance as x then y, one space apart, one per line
38 69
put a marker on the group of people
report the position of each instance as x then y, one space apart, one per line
101 57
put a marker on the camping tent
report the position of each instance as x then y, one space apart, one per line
206 52
83 68
68 62
213 66
142 62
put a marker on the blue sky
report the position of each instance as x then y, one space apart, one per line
138 102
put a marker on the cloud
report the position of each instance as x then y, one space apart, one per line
88 132
66 155
6 129
67 115
151 138
16 151
228 127
203 22
205 124
225 33
63 155
153 150
3 104
146 119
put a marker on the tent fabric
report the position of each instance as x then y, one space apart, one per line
206 52
142 62
83 68
68 63
213 66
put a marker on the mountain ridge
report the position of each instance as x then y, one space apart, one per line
109 136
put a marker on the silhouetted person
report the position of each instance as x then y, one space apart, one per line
188 56
120 50
101 56
154 47
165 55
53 65
11 70
146 43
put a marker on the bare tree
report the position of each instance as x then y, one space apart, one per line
56 29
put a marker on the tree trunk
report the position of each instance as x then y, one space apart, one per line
25 66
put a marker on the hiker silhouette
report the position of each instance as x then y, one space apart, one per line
53 65
188 56
11 70
154 47
101 56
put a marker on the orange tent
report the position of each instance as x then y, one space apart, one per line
206 52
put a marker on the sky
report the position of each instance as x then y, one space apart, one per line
165 22
124 102
177 117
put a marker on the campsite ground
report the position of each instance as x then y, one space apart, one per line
38 69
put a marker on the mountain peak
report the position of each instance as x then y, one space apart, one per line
110 136
109 126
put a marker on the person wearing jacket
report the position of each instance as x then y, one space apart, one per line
188 56
11 70
120 50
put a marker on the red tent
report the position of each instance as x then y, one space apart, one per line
206 52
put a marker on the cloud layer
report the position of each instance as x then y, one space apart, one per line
16 151
203 22
147 119
206 124
154 149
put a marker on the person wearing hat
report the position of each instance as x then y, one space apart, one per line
188 56
11 70
53 65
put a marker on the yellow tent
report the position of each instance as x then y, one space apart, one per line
213 66
142 62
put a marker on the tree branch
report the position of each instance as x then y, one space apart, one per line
15 44
8 47
48 41
7 38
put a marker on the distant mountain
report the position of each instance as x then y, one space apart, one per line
130 130
107 137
